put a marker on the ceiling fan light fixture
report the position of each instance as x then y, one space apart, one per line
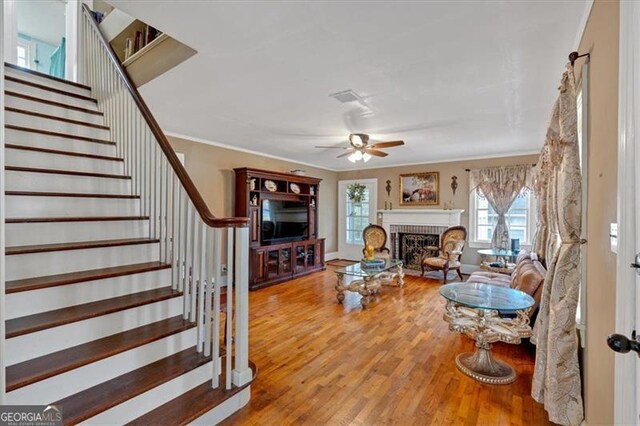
366 157
356 140
352 157
358 155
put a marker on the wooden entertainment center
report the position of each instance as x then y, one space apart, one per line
279 250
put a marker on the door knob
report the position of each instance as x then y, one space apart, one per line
622 344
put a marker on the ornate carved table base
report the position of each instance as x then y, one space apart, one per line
486 327
368 286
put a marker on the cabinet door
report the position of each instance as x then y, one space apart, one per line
299 251
254 217
312 222
311 255
258 257
286 267
272 263
320 253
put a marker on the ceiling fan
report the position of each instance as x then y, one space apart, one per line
360 149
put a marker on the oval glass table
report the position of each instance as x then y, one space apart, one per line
487 314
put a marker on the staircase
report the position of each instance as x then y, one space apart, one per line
113 276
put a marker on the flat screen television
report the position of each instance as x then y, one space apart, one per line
284 221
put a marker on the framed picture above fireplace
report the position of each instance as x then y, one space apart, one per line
420 189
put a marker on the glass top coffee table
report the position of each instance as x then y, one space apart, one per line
369 279
475 311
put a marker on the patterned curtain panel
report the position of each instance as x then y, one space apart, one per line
500 186
556 379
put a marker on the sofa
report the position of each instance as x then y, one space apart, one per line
528 277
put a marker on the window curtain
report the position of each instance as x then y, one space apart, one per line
500 186
58 57
556 379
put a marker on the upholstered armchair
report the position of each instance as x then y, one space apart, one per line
451 245
376 236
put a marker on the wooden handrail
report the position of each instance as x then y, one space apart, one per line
187 183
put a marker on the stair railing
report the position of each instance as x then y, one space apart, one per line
191 238
2 216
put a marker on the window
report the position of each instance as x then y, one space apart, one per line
483 219
23 57
357 218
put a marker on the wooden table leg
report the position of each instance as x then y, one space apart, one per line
340 288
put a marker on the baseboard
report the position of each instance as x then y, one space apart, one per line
468 269
331 256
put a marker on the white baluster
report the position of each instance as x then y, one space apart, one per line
242 374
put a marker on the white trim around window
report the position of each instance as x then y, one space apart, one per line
474 242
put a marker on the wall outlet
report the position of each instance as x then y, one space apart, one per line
224 269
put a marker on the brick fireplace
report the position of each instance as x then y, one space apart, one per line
410 231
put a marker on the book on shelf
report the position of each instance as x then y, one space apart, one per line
139 40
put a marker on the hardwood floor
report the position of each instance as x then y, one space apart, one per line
320 362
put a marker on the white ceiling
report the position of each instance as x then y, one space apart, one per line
42 19
455 80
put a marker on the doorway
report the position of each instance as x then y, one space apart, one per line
357 206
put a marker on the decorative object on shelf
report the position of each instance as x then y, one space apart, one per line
454 184
359 148
312 190
294 188
313 203
390 205
270 186
298 172
355 192
252 184
388 188
386 205
254 200
420 189
448 205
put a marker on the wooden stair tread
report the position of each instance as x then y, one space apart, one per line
55 117
42 321
73 219
58 134
29 284
43 75
43 367
68 194
90 402
59 152
64 172
190 405
49 88
53 103
40 248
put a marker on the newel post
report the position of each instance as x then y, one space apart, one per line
242 374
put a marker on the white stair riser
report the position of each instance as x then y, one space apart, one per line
48 299
41 107
13 86
135 407
220 412
31 265
54 339
19 137
40 206
47 82
40 123
51 182
44 160
63 385
24 234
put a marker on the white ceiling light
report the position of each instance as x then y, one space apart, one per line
356 140
353 158
366 157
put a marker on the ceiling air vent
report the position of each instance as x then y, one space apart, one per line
346 96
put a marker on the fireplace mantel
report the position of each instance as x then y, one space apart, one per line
426 217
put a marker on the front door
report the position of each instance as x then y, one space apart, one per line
356 210
627 365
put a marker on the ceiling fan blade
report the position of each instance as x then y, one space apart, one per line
332 147
376 152
389 144
345 154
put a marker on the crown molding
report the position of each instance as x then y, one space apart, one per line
247 151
